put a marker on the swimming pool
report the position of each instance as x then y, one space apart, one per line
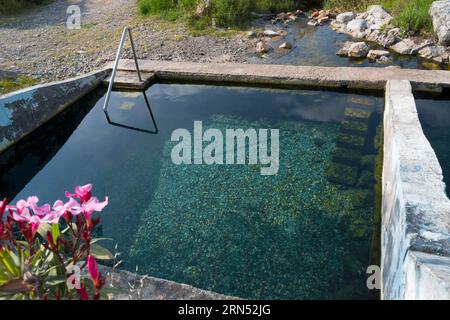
304 233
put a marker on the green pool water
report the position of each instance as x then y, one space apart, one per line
304 233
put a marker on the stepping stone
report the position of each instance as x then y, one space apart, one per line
354 127
346 156
350 141
357 114
342 174
129 80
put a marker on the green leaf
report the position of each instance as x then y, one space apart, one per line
8 262
55 232
100 239
100 253
55 280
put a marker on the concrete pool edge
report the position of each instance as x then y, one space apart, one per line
25 110
132 286
415 258
292 76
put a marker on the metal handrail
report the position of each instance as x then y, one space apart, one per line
116 64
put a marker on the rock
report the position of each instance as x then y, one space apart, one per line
376 15
357 25
286 45
251 34
384 60
392 37
271 33
345 17
261 47
432 52
344 50
410 46
440 13
358 50
376 54
313 23
322 20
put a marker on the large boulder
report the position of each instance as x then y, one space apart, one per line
440 13
345 17
358 50
411 46
377 17
357 25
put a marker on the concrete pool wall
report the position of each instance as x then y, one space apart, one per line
415 212
23 111
415 209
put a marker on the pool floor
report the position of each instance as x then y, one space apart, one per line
304 233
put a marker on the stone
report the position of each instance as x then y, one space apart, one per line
410 46
376 15
344 50
345 17
357 25
251 34
271 33
350 141
286 45
392 37
375 54
313 23
358 50
384 60
431 52
440 13
261 47
323 20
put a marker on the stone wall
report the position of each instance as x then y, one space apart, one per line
23 111
415 259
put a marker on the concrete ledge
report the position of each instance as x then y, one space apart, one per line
287 75
415 208
23 111
135 287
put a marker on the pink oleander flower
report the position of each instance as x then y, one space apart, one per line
28 211
96 277
81 192
76 208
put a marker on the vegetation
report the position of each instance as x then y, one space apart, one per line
14 6
43 249
10 84
409 15
222 13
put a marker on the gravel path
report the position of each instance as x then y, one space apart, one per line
39 44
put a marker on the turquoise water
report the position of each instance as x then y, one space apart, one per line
301 234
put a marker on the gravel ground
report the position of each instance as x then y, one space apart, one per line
39 44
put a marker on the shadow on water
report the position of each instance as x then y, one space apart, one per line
23 160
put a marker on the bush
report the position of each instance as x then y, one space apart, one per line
225 13
409 15
43 249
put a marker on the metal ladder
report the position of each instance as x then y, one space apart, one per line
116 64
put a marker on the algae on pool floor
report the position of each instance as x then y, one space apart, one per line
231 230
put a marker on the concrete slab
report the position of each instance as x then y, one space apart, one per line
287 75
415 207
129 80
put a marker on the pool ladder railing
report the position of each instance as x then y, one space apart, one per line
116 64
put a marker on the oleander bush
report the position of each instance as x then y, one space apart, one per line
45 249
